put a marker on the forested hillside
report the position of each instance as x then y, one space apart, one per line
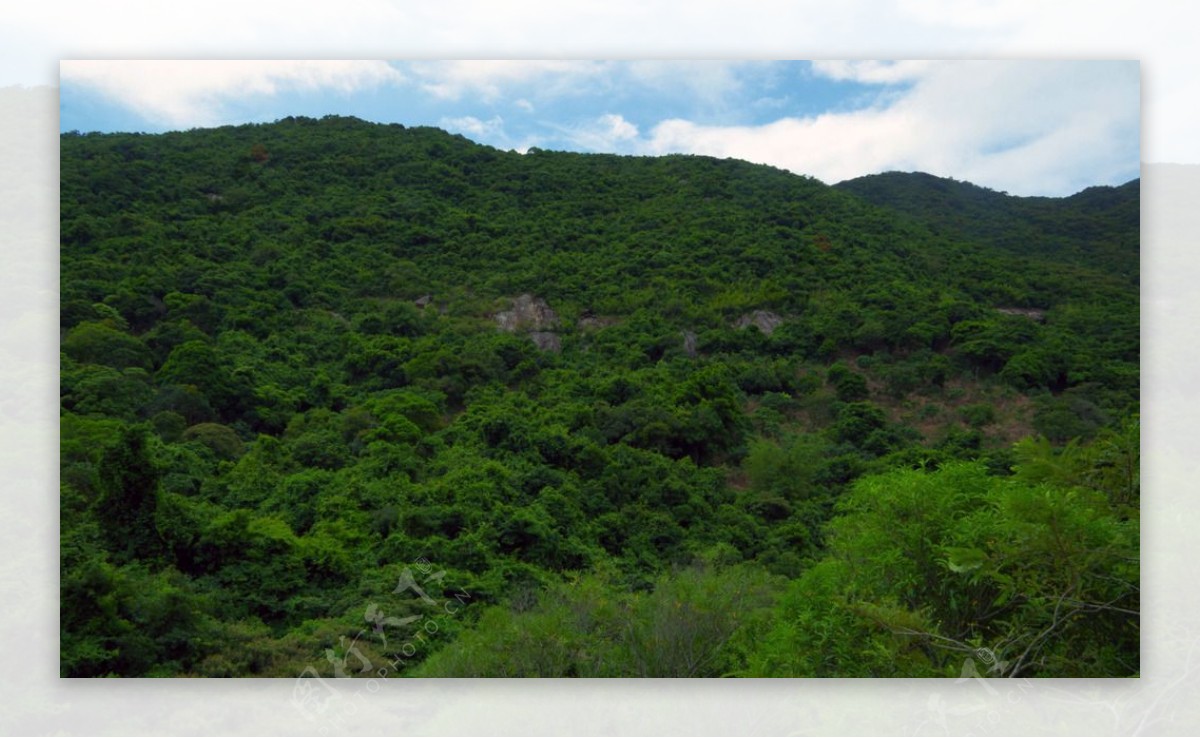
1095 226
346 399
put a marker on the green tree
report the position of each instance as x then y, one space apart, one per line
128 495
97 343
924 569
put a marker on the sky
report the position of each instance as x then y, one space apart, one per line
1025 127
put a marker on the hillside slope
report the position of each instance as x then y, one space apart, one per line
579 415
1097 226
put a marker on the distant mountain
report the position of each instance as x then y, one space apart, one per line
1098 226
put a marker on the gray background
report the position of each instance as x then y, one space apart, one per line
34 701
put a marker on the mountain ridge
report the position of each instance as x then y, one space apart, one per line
1099 223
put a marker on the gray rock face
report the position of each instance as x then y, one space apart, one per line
689 344
546 340
531 315
528 313
766 321
594 323
1031 313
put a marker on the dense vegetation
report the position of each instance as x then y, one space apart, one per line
1091 226
366 399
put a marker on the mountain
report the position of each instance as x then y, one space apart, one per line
1098 226
580 415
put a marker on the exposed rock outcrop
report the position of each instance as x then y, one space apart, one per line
546 340
589 321
528 313
532 316
766 321
1031 313
689 344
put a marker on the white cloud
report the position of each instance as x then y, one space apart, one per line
872 72
192 93
708 82
451 80
831 147
471 125
609 132
1027 127
618 128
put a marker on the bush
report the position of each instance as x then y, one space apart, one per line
978 415
588 627
848 386
97 343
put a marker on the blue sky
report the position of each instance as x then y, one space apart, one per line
534 97
1026 127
